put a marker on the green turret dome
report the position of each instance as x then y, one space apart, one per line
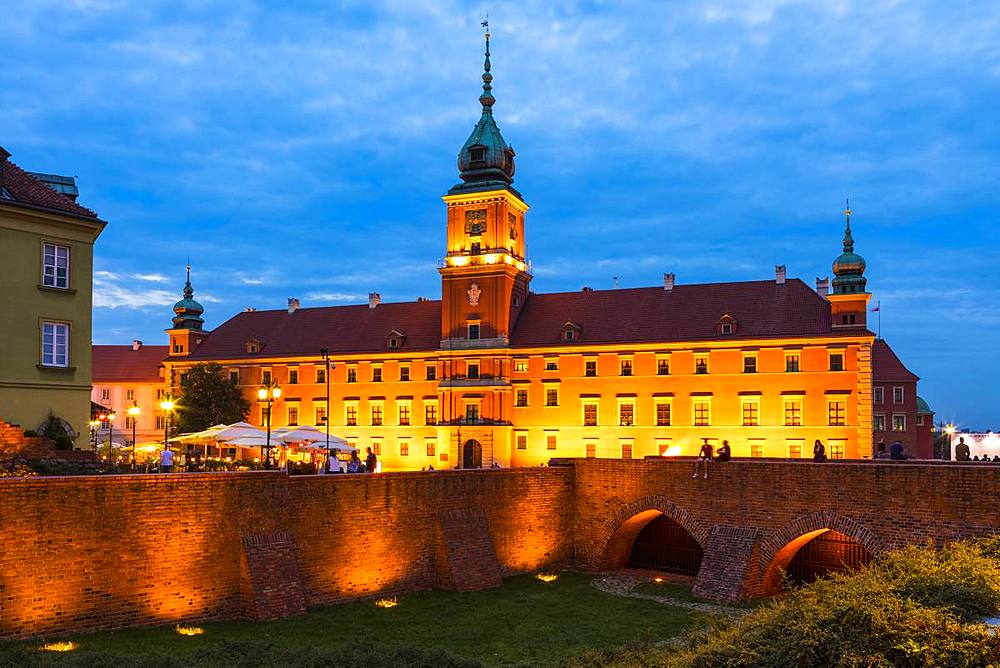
187 312
849 268
923 408
485 161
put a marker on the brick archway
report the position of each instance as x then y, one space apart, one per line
619 532
777 550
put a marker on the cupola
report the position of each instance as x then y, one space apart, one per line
187 312
849 268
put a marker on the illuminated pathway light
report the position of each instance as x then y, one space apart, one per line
64 646
190 630
387 602
547 577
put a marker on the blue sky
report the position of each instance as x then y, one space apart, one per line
300 150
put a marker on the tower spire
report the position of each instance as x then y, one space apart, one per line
848 239
487 99
188 290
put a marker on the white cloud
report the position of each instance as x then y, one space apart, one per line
152 278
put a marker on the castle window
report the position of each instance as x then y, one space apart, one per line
836 413
522 441
293 376
234 377
727 328
476 248
626 367
351 415
701 364
663 410
404 448
590 368
320 375
376 374
795 448
702 412
626 445
793 413
626 414
404 373
431 371
590 448
878 394
473 331
756 447
792 363
751 413
130 395
920 420
749 364
878 422
403 411
569 335
520 366
590 414
520 398
472 370
55 344
430 414
550 441
376 446
105 394
472 413
293 416
897 395
265 377
376 415
431 446
551 397
319 415
551 365
663 366
836 361
898 422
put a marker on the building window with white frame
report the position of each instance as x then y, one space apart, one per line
836 361
520 366
663 366
791 362
552 364
793 412
836 412
626 447
520 397
878 422
899 422
319 414
404 448
751 412
626 366
376 415
897 394
590 368
590 414
551 441
878 394
55 344
430 445
403 413
663 413
551 396
351 415
293 416
430 413
521 441
701 364
55 266
749 364
702 412
106 394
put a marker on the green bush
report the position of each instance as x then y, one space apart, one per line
63 442
30 432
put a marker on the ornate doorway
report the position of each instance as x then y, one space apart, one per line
472 455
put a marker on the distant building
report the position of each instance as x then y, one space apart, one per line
130 376
46 251
898 414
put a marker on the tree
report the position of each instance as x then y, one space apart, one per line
208 398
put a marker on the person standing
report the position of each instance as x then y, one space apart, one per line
704 459
896 451
371 461
962 450
166 460
819 451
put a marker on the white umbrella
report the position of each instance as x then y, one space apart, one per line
206 435
303 434
238 430
338 444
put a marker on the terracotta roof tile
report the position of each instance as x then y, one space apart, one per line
122 364
886 366
26 189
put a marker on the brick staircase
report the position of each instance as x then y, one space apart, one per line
15 445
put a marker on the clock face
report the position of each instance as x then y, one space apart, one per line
475 221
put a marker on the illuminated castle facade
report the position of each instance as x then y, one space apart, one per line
493 373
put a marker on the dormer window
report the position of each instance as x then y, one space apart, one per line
254 346
570 332
726 326
394 339
477 153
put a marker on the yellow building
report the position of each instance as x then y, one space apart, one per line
46 251
495 374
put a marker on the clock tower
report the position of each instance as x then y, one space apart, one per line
484 275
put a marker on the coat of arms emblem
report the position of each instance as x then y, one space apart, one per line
474 293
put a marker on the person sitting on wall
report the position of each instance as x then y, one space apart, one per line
354 466
704 459
896 451
962 450
725 452
166 460
819 451
371 462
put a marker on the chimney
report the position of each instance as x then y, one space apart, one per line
249 309
136 344
779 274
823 286
374 299
293 304
587 288
668 282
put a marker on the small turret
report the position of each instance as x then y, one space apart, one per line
849 300
187 312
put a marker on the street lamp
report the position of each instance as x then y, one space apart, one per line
133 412
167 406
268 393
325 352
111 435
94 424
950 430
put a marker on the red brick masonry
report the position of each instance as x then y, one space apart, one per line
88 553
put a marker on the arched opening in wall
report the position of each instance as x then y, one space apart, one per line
472 455
821 553
664 545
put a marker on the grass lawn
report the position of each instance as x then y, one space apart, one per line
525 622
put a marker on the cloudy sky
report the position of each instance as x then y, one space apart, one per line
300 150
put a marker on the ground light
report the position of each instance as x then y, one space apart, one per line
547 577
63 646
190 630
658 580
387 602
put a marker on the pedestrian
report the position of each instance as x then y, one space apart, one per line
332 463
371 461
725 453
896 451
962 450
166 460
819 451
354 466
704 459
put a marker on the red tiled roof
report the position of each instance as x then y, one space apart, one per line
26 189
342 329
121 363
886 366
762 309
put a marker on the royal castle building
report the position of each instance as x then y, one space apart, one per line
495 373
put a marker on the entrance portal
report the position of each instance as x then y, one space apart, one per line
664 545
472 455
829 552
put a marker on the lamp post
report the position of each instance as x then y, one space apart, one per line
111 436
94 424
167 406
950 430
267 394
325 352
133 412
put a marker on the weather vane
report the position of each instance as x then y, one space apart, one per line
847 211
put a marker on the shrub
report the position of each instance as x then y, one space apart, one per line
30 432
63 441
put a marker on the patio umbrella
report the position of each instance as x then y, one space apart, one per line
303 434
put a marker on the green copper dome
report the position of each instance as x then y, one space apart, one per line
923 407
187 312
485 161
849 268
